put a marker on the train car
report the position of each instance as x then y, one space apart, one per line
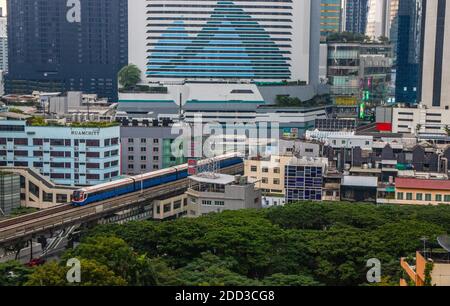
132 184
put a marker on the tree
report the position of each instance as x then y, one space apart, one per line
92 274
129 76
13 273
210 270
290 280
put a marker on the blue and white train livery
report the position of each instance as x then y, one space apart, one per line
127 185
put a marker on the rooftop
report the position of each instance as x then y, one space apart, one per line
210 178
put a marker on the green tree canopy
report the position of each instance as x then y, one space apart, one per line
129 76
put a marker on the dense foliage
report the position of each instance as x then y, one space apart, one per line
300 244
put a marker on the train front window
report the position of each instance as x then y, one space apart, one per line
78 196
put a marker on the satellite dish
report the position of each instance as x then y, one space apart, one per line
444 242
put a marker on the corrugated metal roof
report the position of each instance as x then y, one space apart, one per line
413 183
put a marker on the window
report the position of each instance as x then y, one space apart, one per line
93 143
439 198
265 180
254 169
155 158
143 158
143 167
419 197
276 181
206 202
177 204
167 208
428 197
409 196
131 158
220 203
265 170
155 167
130 149
143 149
93 154
155 150
400 196
155 141
57 142
130 140
447 198
276 170
143 140
131 166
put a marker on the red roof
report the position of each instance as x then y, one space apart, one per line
412 183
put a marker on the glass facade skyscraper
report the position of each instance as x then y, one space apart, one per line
66 45
355 16
409 41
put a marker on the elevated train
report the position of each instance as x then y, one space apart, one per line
136 183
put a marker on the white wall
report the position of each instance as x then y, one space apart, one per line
137 49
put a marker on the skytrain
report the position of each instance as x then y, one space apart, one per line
101 192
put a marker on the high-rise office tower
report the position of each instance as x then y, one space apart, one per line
409 41
354 16
382 18
435 66
3 40
66 45
206 41
330 17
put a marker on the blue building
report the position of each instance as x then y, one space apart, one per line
330 17
356 16
409 48
304 179
67 155
66 45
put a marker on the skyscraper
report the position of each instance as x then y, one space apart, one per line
62 45
435 68
355 16
330 17
225 40
3 40
409 44
381 18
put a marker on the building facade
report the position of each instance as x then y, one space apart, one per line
147 148
214 193
304 179
9 192
330 17
66 155
233 40
359 73
409 46
355 16
436 54
81 46
3 41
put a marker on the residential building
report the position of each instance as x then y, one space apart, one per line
173 41
435 72
304 179
81 46
417 191
359 188
355 16
147 148
9 192
409 46
330 17
68 155
214 193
